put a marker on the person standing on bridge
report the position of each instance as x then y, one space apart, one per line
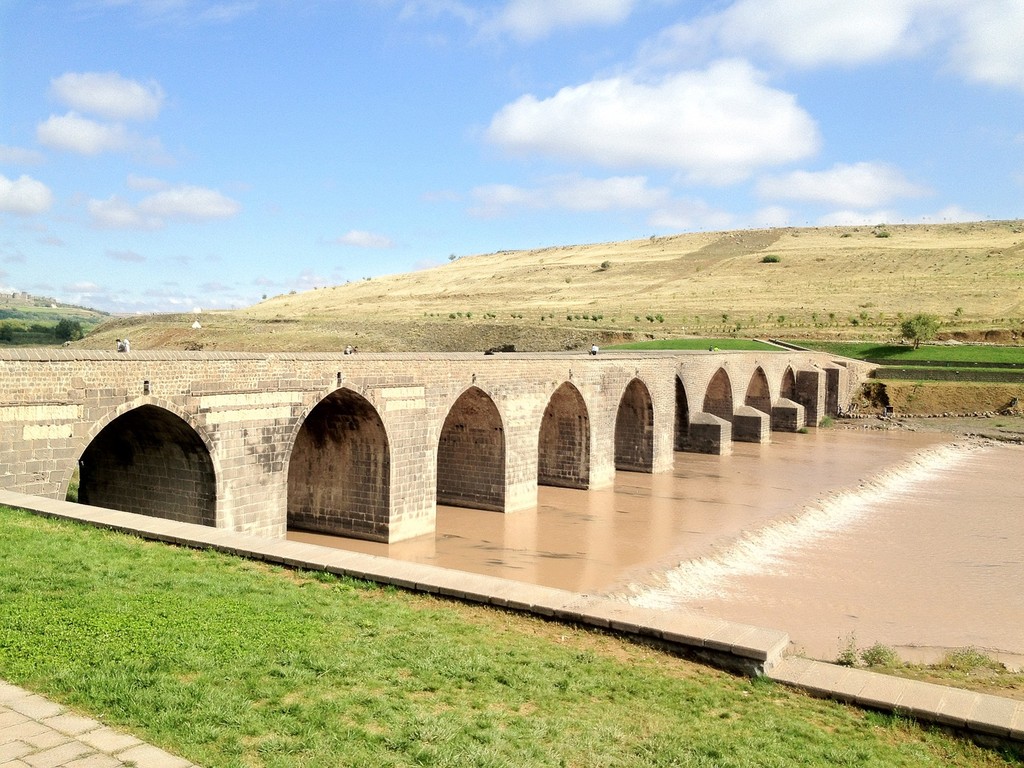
127 346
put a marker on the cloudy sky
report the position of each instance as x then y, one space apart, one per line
158 155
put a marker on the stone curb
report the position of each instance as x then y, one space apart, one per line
739 647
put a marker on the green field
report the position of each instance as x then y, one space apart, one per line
730 344
978 354
230 662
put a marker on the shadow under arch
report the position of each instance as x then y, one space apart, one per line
339 471
758 395
152 462
787 389
718 397
563 450
634 429
681 428
471 454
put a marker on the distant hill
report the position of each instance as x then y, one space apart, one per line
834 282
30 320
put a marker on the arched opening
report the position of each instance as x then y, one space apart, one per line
634 429
151 462
339 474
718 398
471 454
682 422
563 452
758 394
788 387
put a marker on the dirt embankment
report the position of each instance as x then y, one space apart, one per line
939 398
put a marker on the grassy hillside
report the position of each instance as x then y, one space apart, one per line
27 320
830 283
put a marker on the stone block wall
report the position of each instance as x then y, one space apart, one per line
254 431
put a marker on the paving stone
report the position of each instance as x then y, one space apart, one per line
882 691
146 756
993 714
108 740
95 761
34 706
956 707
58 756
72 725
23 731
10 717
14 749
922 700
1017 723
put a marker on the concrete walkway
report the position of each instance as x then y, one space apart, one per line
36 733
738 647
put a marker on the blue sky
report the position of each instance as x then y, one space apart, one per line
161 155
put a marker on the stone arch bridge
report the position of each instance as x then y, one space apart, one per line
368 445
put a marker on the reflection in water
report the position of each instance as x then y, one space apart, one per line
904 539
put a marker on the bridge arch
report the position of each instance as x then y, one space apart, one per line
718 396
563 453
471 454
759 395
339 471
634 429
787 388
150 460
681 431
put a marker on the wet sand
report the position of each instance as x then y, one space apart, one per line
914 540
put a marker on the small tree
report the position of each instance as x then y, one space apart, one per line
68 330
920 328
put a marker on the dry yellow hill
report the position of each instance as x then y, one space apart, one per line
836 282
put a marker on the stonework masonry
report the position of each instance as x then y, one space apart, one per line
367 445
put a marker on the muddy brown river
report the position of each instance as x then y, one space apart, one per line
912 540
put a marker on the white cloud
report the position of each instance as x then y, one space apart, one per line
19 156
772 216
181 203
184 11
573 193
146 183
989 48
947 215
952 214
108 95
126 256
980 39
861 185
859 218
809 33
534 19
118 213
524 20
690 215
189 203
362 239
74 133
24 196
716 125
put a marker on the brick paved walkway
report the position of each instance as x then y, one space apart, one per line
37 733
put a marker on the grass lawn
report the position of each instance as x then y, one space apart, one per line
968 353
233 663
741 344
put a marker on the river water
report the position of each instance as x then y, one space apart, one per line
913 540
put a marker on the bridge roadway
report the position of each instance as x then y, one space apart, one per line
367 445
